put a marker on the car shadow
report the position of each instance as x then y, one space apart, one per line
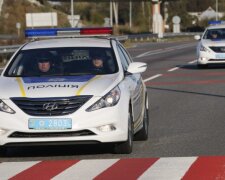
195 67
186 92
55 150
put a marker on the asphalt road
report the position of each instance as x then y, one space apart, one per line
186 110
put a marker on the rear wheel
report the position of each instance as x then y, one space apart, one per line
126 147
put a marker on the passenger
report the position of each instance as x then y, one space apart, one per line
98 64
214 35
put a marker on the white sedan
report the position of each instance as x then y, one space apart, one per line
211 46
51 93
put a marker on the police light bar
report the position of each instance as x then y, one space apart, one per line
68 32
216 22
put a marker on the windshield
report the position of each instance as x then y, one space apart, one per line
66 61
215 34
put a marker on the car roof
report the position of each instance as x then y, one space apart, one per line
68 42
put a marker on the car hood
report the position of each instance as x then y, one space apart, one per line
34 87
216 42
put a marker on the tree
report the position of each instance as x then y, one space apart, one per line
200 5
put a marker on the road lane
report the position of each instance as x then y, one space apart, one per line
164 60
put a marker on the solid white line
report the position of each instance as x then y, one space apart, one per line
192 62
149 52
10 169
164 50
168 169
159 51
152 77
86 169
173 69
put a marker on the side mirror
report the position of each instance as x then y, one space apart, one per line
197 37
137 67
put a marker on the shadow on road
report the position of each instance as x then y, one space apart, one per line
189 92
62 150
194 67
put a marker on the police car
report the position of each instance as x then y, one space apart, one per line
52 94
211 47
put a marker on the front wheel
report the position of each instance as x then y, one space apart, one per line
126 147
3 151
202 66
142 135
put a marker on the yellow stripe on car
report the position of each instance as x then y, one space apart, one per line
21 86
82 87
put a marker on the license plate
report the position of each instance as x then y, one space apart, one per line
50 124
220 56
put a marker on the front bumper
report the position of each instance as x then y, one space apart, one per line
211 58
85 127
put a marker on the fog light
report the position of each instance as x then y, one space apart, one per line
203 59
2 131
106 128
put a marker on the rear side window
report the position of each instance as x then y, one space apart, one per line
64 61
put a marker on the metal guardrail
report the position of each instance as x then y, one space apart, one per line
9 49
8 37
142 36
182 34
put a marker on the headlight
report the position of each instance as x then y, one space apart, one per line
5 108
203 48
110 99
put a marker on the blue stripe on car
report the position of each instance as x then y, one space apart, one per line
57 79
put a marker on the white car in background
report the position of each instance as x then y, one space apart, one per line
73 103
211 46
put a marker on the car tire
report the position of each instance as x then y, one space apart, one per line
202 66
142 135
126 147
3 151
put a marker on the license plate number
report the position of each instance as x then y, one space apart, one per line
220 56
50 124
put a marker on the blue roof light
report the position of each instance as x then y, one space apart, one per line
40 32
216 22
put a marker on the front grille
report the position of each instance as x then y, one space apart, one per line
51 134
50 106
218 49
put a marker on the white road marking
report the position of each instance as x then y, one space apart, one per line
86 169
149 52
164 50
173 69
10 169
168 169
159 51
152 77
192 62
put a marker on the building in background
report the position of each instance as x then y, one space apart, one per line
209 13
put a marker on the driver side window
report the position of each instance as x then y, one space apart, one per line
123 59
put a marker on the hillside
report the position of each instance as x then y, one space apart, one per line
14 11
